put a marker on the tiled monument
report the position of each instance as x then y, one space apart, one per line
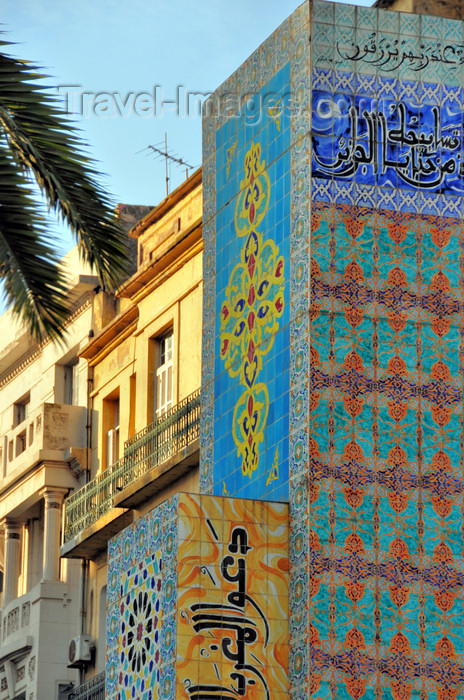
334 336
333 348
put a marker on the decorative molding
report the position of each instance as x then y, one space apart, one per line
53 504
31 668
23 362
75 467
26 614
13 621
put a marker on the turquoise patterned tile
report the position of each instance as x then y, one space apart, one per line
323 34
322 11
452 30
388 21
409 24
431 27
366 18
345 15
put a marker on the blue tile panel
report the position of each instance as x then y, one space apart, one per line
386 573
263 105
385 142
252 305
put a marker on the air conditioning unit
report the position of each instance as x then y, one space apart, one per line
79 651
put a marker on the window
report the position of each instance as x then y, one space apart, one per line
20 443
64 690
71 384
21 410
112 445
132 404
111 428
163 380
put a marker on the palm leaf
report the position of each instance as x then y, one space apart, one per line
43 141
34 286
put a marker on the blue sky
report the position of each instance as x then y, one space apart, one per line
127 47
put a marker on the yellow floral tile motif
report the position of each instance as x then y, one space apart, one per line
253 304
232 607
229 155
275 111
274 471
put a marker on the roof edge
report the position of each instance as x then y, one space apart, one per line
168 202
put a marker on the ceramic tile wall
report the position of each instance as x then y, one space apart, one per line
232 598
198 601
250 281
141 616
386 439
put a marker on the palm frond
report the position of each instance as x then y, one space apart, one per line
33 284
43 141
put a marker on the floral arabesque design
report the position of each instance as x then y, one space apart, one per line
251 310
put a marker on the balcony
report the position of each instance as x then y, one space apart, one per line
46 434
16 627
158 454
41 619
94 689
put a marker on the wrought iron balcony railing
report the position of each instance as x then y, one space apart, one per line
94 689
156 443
161 440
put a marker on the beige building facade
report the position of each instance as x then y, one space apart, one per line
144 372
45 434
43 448
453 9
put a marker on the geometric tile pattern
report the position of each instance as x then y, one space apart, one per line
387 351
300 206
198 601
141 619
387 565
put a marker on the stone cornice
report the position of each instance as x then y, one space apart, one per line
33 353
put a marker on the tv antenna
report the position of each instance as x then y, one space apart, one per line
169 157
